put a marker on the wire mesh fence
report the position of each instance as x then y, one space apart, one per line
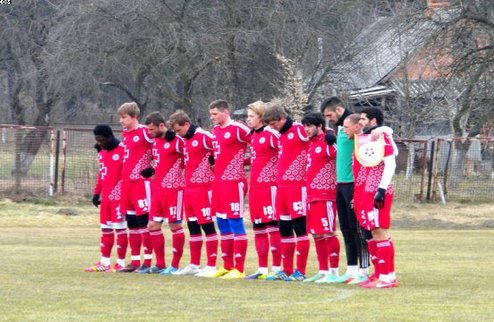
47 161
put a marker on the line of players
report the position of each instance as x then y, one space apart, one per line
170 168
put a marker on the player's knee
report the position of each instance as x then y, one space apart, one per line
300 226
154 225
194 228
237 225
209 228
224 226
286 228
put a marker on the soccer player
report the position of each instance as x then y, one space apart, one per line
373 200
291 195
135 199
229 188
321 197
198 156
262 190
166 192
354 236
107 195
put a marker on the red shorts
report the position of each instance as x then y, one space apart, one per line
166 205
135 198
228 199
321 217
262 201
197 204
290 202
369 217
110 216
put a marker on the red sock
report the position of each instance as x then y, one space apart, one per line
334 251
392 261
122 242
275 242
146 245
287 253
384 256
303 246
227 250
135 241
158 243
371 248
240 250
107 240
195 245
212 249
178 241
322 253
262 246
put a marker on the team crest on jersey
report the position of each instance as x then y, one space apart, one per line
167 145
262 140
290 136
369 153
115 157
318 149
135 138
227 135
195 143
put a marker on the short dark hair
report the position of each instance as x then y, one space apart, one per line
154 118
103 130
374 113
219 104
314 119
331 103
274 112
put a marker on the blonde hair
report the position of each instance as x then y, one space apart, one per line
257 107
129 108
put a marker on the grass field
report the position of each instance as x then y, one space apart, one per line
444 275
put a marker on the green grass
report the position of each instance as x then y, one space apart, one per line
444 276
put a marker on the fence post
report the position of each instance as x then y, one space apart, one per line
51 189
431 163
57 158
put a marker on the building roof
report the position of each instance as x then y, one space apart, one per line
380 48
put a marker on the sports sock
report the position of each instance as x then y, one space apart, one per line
211 249
147 247
135 241
178 241
227 250
240 250
384 256
261 241
158 244
107 240
275 242
334 251
122 241
322 253
371 247
392 257
195 245
287 253
303 246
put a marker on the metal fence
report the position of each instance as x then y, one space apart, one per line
49 161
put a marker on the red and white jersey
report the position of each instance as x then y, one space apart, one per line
292 154
168 159
321 170
264 157
367 179
198 149
109 182
230 144
137 144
